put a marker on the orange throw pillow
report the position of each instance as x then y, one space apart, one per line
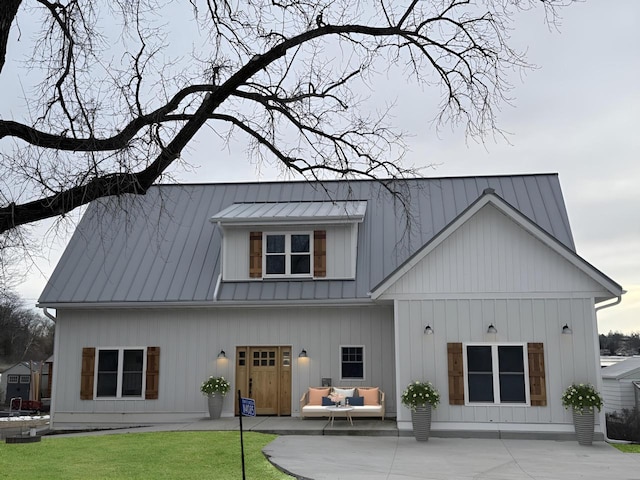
370 395
316 394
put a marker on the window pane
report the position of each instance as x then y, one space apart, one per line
300 264
481 387
132 373
352 362
275 265
300 243
512 388
479 359
107 373
275 243
511 359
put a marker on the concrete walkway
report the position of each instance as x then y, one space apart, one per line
402 458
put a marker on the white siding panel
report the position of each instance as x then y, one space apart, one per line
568 358
190 340
491 253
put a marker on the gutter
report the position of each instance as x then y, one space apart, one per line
48 315
612 304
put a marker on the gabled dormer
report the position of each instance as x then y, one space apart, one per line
290 240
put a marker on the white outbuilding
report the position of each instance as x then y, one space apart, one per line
621 385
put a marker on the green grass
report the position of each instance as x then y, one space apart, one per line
164 455
627 448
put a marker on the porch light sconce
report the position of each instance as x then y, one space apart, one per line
566 330
222 354
492 329
428 330
302 354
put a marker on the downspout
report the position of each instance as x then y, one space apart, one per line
54 367
603 416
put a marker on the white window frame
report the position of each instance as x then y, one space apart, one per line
13 378
496 374
25 379
120 373
287 255
364 365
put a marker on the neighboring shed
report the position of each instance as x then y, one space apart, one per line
16 382
618 389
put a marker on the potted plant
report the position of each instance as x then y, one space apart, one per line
420 397
582 398
215 388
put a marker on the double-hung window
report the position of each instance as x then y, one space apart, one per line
496 374
120 373
288 254
352 362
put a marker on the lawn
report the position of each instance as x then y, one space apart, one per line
164 455
627 448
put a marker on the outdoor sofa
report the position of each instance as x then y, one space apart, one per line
366 401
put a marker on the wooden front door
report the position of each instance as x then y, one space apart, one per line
264 374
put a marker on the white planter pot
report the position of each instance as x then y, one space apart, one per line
583 421
215 405
421 420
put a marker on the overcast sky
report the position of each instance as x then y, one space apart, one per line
578 114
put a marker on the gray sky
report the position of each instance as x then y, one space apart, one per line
578 114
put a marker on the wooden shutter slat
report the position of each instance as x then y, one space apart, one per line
255 255
537 385
320 253
153 373
456 374
87 373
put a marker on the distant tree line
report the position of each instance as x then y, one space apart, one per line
616 343
24 333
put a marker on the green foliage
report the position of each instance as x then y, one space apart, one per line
624 425
420 393
214 385
582 396
163 455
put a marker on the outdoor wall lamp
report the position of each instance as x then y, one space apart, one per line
492 329
428 330
302 354
566 330
222 354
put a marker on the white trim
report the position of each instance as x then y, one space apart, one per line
120 373
14 376
517 217
364 364
330 302
488 295
496 374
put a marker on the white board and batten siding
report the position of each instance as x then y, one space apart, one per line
492 271
190 340
341 250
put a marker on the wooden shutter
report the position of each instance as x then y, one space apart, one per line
87 373
255 255
153 373
537 385
456 374
320 253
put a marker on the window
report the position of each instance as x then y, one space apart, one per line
496 374
287 254
12 379
25 379
120 373
351 362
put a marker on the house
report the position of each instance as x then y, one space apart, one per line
155 293
621 385
16 382
19 381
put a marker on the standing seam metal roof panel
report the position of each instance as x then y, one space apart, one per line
161 247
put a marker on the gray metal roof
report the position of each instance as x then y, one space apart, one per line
161 247
291 212
629 368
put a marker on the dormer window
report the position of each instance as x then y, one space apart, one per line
287 254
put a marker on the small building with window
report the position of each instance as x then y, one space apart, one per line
472 283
